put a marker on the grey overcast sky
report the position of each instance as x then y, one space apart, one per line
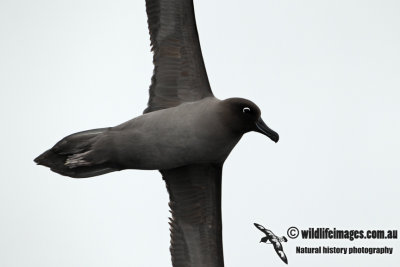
324 73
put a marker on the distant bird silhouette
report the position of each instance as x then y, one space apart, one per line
274 240
186 133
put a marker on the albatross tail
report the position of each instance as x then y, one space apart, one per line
73 156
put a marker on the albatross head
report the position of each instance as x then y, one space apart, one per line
245 116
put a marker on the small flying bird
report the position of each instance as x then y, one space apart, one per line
185 132
274 240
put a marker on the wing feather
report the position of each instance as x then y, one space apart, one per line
196 227
179 73
279 250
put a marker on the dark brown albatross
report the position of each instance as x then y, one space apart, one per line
186 133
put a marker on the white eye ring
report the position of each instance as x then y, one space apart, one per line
246 109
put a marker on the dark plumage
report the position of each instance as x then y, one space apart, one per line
186 133
179 72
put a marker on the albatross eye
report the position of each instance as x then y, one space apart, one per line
246 110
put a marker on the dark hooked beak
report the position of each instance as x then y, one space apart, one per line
261 127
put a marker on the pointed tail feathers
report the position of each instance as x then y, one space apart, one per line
71 156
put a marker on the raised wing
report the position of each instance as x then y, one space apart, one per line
279 250
264 230
260 227
196 227
179 72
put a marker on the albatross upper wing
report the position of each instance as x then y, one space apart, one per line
179 72
195 202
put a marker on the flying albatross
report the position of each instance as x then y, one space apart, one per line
185 133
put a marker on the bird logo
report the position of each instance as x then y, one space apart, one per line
274 240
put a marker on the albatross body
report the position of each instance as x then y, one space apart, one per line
190 133
185 133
